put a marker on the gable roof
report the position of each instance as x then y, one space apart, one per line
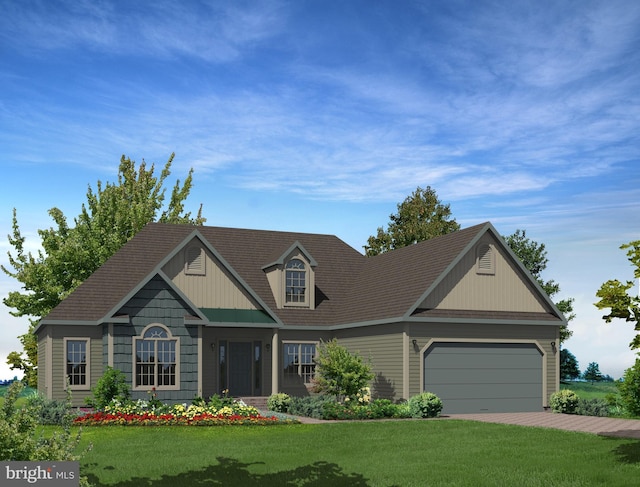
350 288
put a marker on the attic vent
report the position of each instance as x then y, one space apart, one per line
486 260
195 262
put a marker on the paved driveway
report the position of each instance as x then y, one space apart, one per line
623 428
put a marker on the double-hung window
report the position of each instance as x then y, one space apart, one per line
295 283
299 363
77 362
156 359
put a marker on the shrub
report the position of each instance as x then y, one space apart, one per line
310 406
112 385
49 411
630 389
279 402
425 405
564 401
340 373
592 407
19 440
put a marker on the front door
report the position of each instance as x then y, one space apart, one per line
240 365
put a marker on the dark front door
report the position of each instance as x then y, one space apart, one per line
240 365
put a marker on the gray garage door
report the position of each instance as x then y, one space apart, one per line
484 377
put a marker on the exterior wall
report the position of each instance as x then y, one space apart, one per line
466 289
52 372
156 304
385 347
215 289
542 335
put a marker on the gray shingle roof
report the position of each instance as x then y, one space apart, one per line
350 288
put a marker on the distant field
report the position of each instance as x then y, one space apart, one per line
27 391
586 390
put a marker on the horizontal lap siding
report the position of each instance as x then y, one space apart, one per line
544 335
383 346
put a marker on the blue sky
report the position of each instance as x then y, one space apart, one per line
322 116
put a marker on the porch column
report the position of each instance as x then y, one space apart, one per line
275 367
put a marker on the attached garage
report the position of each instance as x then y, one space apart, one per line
485 377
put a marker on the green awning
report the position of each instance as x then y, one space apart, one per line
226 315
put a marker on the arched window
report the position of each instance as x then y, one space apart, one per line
295 282
156 359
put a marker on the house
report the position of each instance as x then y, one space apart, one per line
191 311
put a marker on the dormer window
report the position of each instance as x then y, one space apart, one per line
295 282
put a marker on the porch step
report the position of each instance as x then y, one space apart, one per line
258 402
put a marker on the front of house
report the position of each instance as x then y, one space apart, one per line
191 311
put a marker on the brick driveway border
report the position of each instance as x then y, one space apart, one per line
622 428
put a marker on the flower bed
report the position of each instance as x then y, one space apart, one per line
217 412
168 419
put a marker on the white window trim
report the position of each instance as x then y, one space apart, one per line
87 385
307 283
297 342
134 386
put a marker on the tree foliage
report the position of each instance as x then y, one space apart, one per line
568 365
592 373
615 296
630 389
340 373
420 216
533 256
112 215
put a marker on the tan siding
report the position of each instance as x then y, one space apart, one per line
383 346
58 334
506 290
543 335
216 289
42 358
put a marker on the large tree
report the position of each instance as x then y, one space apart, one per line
592 372
615 295
112 214
568 365
420 216
533 256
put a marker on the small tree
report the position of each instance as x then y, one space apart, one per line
630 389
592 372
568 365
340 373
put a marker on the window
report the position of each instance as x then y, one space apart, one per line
156 361
299 363
295 282
77 363
486 260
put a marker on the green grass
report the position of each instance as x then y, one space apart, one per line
586 390
385 453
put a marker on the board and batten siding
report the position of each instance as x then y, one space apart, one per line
383 345
215 288
464 288
541 335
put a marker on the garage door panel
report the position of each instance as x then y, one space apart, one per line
484 377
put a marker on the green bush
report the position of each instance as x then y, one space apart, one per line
629 389
279 402
340 373
309 406
593 407
564 401
20 440
112 385
425 405
49 411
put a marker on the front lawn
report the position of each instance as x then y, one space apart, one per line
437 452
